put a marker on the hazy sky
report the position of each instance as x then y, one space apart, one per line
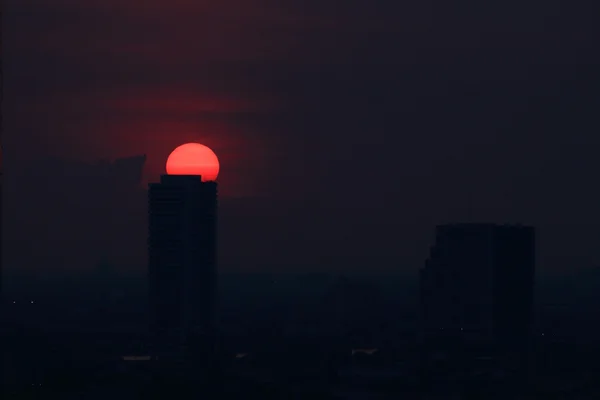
346 129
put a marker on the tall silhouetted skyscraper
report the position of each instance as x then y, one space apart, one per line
182 252
478 283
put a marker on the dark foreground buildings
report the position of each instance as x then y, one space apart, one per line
182 267
477 285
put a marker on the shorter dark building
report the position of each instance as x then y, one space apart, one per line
477 284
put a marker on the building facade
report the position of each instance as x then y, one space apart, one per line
182 257
477 283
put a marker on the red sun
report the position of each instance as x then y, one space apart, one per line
193 159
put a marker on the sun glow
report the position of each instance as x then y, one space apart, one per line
194 159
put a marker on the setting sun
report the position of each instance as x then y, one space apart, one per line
193 159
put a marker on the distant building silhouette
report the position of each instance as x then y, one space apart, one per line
128 171
182 254
477 284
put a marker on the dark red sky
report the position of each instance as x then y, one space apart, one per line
346 130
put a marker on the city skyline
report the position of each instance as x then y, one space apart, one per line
286 199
